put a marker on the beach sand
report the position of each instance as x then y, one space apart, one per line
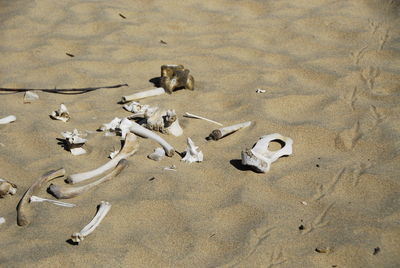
331 72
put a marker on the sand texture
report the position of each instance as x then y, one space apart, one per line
331 71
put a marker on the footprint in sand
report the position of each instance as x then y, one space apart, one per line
277 257
357 56
319 221
368 76
358 170
323 190
348 138
383 39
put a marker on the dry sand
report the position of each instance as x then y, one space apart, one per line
331 71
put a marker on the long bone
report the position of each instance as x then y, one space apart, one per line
7 119
6 188
55 202
65 192
143 94
222 132
22 217
130 147
104 207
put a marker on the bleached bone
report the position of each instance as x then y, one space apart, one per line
202 118
74 141
7 119
102 211
23 205
260 90
30 96
130 147
2 220
157 155
65 192
170 168
6 188
143 94
136 108
163 121
34 199
222 132
260 158
111 128
61 114
192 153
113 154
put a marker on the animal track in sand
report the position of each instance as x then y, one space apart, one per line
377 117
358 170
368 76
383 39
277 257
348 138
357 56
319 222
353 98
323 190
374 26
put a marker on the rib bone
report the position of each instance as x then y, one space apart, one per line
222 132
130 147
55 202
143 94
7 119
202 118
6 188
22 218
104 207
65 192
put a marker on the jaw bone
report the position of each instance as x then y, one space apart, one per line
143 94
74 142
65 192
7 119
176 76
192 153
22 217
6 188
61 114
130 147
104 207
260 158
222 132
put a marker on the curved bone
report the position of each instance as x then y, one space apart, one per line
157 155
104 207
222 132
34 199
30 96
143 94
130 147
22 217
65 192
260 158
61 114
6 188
202 118
192 155
7 119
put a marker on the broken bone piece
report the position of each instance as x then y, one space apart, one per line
157 155
260 158
74 141
143 94
130 147
7 188
65 192
202 118
111 128
170 168
260 90
61 114
2 220
136 108
23 205
192 153
34 199
102 211
7 119
174 77
222 132
163 121
30 96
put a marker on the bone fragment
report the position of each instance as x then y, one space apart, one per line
6 188
65 192
143 94
7 119
102 211
30 96
157 155
136 108
2 220
164 121
130 147
222 132
175 76
23 205
192 153
170 168
111 128
74 141
202 118
34 199
61 114
260 90
260 158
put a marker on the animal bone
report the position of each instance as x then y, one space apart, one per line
163 121
65 192
7 119
222 132
260 158
157 155
260 90
104 207
203 118
192 155
137 108
143 94
30 96
6 188
170 168
61 114
2 220
176 76
74 142
55 202
130 147
22 217
111 128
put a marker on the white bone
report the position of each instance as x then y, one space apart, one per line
2 220
143 94
157 155
130 147
30 96
192 153
75 141
170 168
61 114
260 90
200 117
260 158
7 119
104 207
222 132
7 187
164 121
55 202
111 128
113 154
136 107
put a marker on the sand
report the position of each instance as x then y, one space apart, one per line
331 71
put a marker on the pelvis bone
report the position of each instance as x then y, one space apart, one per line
176 76
260 158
